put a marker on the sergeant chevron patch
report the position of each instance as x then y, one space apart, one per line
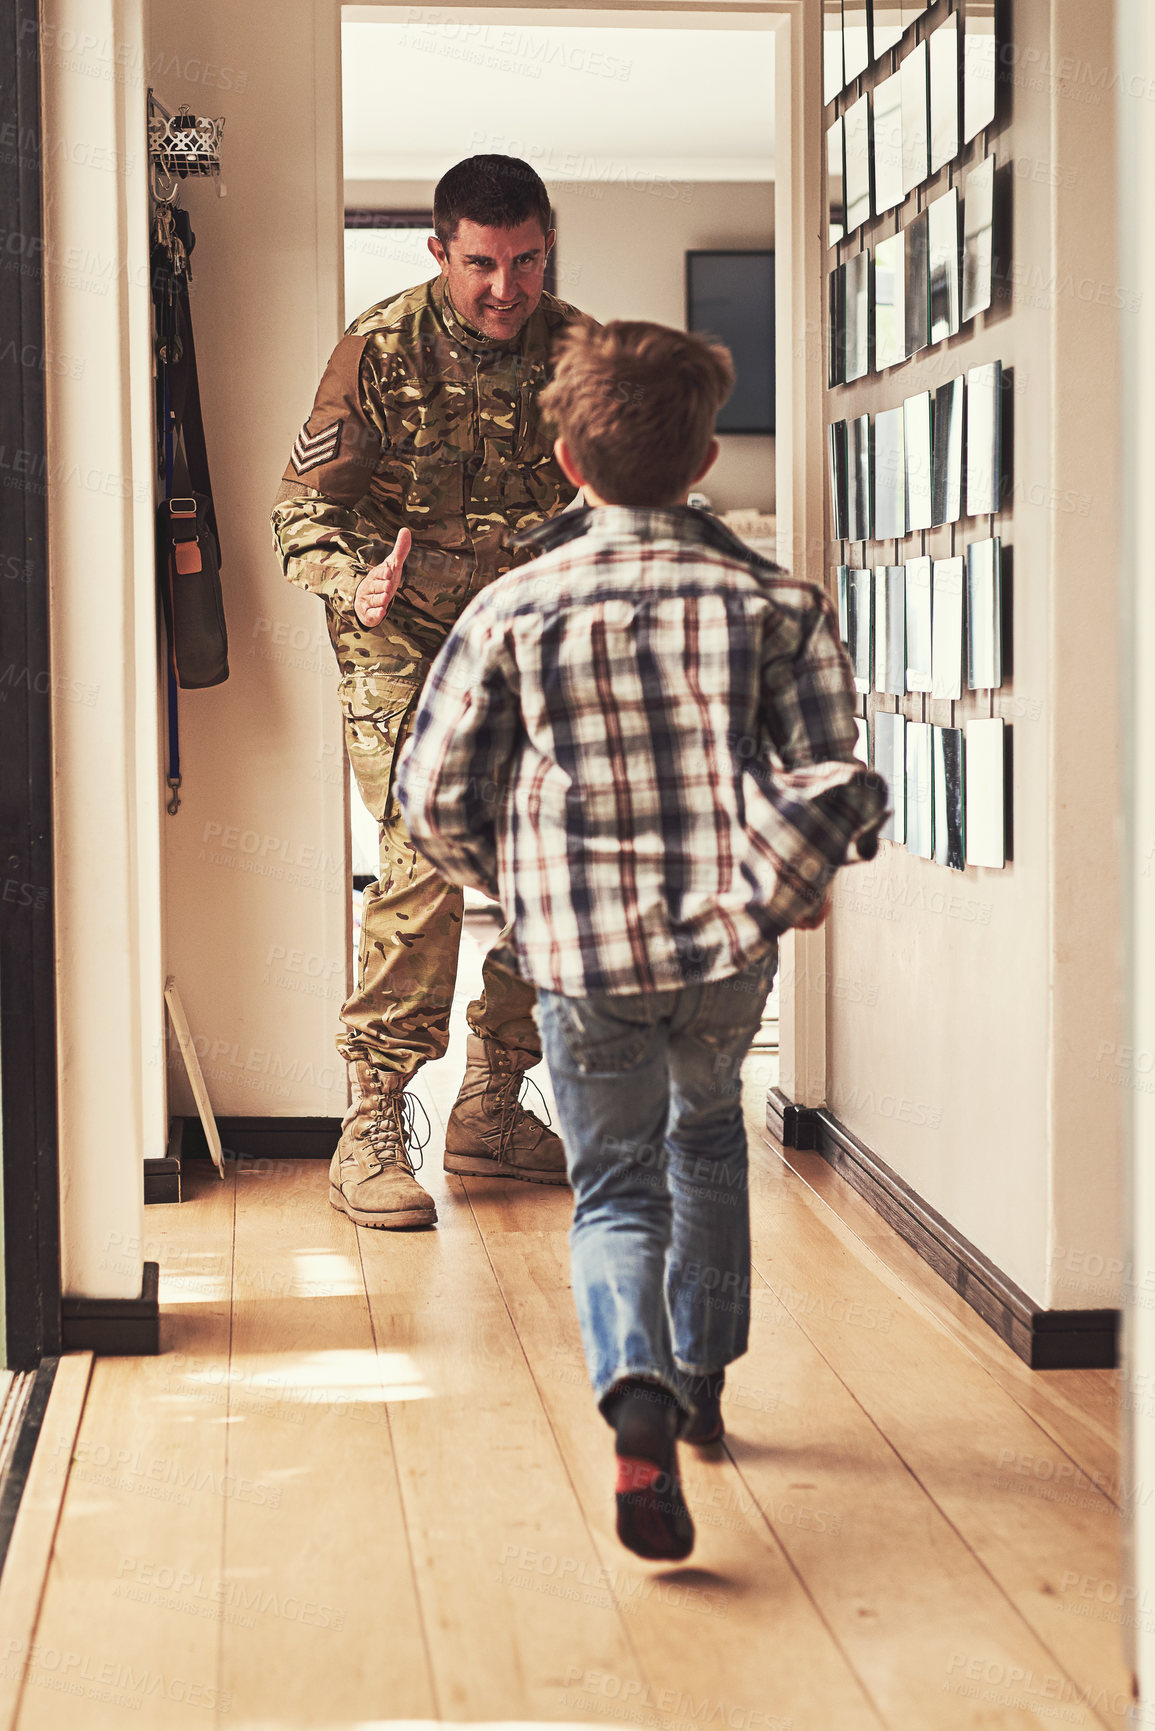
310 450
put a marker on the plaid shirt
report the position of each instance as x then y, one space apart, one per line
643 745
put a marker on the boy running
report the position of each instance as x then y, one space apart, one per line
642 744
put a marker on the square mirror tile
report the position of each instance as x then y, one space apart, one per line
946 499
915 122
978 238
984 614
888 187
984 455
917 424
919 790
986 793
943 266
836 457
886 27
832 68
835 181
890 629
861 626
949 798
890 762
842 590
919 640
980 67
889 303
916 299
857 121
855 39
836 326
947 632
860 511
943 54
889 475
862 743
856 363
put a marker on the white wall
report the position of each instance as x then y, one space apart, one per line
621 254
257 915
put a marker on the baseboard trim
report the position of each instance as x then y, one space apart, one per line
1043 1339
266 1138
115 1327
162 1174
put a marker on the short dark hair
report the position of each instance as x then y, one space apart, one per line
493 191
636 404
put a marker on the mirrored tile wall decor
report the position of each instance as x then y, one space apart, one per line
919 640
947 629
842 590
918 442
862 742
857 317
915 119
984 455
889 475
919 790
949 798
986 795
890 762
888 186
943 55
984 610
978 238
980 68
857 143
947 485
943 266
890 302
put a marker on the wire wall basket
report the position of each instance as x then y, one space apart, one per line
182 144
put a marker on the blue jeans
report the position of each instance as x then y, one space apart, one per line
649 1098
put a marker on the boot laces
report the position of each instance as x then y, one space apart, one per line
393 1134
509 1095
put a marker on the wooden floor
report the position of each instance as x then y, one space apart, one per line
366 1484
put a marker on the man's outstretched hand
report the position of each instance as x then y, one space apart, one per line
376 591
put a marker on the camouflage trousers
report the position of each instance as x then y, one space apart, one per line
398 1014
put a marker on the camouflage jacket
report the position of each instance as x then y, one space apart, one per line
420 422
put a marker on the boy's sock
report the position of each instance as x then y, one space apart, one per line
705 1396
653 1520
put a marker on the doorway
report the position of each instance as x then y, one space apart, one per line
654 134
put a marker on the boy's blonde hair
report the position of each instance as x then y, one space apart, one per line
636 405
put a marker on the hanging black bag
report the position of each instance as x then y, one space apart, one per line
188 546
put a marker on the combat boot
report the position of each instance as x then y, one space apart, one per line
490 1134
371 1175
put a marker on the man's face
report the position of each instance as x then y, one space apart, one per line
494 275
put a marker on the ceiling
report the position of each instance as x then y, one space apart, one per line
587 101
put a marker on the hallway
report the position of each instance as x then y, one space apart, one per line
365 1483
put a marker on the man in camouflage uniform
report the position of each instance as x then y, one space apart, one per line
423 456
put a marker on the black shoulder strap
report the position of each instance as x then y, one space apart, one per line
190 457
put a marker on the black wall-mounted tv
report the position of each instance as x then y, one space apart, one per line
730 296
